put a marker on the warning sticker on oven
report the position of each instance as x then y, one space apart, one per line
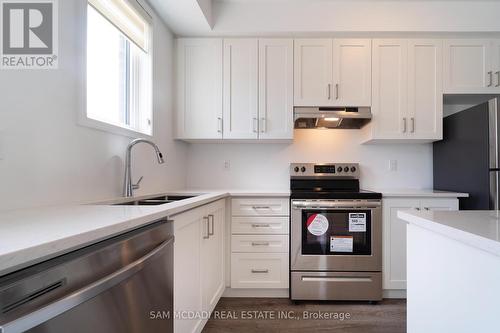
341 243
317 224
357 222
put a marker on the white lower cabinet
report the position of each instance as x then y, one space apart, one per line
394 235
259 243
198 264
259 270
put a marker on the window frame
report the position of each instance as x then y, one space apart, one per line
113 128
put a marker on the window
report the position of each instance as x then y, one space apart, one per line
119 65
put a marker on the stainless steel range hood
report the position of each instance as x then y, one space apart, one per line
331 117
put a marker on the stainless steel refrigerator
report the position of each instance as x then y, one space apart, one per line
467 159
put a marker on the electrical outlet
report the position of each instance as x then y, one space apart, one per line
393 165
227 165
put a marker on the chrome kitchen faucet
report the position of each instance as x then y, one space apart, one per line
128 190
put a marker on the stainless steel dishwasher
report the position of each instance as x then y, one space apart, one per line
123 284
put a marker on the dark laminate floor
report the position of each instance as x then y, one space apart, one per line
388 316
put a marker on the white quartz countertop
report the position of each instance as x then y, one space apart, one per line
479 229
424 193
30 236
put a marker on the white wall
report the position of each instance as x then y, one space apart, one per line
266 166
46 158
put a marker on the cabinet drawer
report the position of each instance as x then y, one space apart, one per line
259 243
259 270
260 225
261 207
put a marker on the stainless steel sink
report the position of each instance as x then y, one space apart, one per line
155 201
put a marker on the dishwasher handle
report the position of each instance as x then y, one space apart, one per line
80 296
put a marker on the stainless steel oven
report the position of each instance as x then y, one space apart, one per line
336 236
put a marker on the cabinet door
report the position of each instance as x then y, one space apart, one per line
467 66
199 90
313 72
213 255
496 65
240 89
439 204
425 92
276 88
394 242
187 269
352 72
390 92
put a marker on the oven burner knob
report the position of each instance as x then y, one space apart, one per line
340 169
303 169
346 169
353 169
296 169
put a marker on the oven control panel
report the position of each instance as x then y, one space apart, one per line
340 170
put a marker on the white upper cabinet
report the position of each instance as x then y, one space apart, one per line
313 72
390 93
352 72
468 66
276 89
199 88
241 89
425 89
496 65
407 90
332 72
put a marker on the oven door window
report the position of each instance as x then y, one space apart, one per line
336 232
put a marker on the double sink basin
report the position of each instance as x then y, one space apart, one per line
155 201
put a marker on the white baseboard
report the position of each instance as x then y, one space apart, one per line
394 293
265 293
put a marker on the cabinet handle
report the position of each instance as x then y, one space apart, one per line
261 207
219 125
255 125
404 125
260 243
426 208
417 208
490 73
498 79
337 91
260 271
329 91
412 124
211 222
263 128
205 218
261 226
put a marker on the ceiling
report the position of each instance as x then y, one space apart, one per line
316 17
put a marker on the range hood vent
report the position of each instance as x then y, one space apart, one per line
331 117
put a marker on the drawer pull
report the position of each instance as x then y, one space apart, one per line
260 243
261 226
260 271
261 207
336 279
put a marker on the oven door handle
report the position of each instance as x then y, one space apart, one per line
335 204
